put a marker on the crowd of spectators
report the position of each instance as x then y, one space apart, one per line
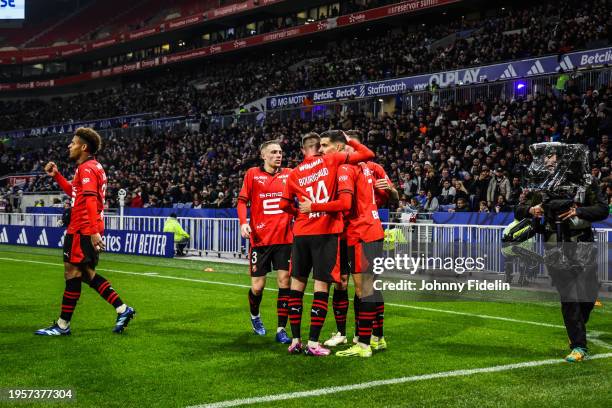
454 157
546 27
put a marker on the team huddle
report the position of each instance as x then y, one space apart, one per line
320 217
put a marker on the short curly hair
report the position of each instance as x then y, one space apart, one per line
92 139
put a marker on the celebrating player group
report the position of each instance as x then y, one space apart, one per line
320 218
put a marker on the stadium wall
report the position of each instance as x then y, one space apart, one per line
119 242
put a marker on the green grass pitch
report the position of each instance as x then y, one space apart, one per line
191 344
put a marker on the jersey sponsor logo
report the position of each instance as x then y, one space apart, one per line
309 166
283 176
271 206
313 177
270 195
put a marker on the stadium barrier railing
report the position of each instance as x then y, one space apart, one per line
220 237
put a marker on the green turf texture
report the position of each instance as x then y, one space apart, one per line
191 344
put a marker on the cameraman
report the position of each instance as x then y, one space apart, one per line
564 219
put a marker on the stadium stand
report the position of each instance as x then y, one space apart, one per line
149 12
466 144
477 146
79 23
40 15
545 28
50 29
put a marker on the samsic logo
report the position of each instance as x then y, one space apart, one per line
270 195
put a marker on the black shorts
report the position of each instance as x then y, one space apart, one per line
345 263
319 253
79 250
362 255
265 259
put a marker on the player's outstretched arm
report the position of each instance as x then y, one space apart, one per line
52 171
343 203
361 154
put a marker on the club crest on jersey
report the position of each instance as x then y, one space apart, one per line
260 226
86 180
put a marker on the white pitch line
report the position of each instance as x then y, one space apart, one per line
505 319
593 337
238 285
392 381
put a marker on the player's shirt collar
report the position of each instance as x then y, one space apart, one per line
263 170
88 159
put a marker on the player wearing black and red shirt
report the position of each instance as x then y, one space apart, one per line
364 234
269 233
316 235
83 240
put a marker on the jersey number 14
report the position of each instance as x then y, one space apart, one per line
322 194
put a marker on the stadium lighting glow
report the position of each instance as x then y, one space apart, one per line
520 85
